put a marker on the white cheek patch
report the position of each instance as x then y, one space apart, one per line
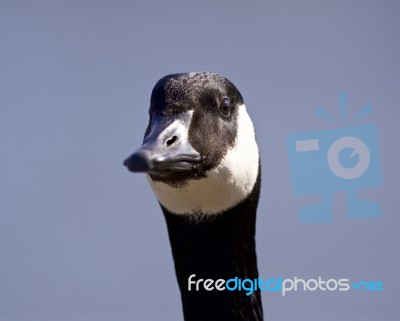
225 186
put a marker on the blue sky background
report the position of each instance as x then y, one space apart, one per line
82 239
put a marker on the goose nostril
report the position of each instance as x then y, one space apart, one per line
170 141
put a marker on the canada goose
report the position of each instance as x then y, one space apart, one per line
202 161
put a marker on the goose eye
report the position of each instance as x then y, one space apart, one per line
225 107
